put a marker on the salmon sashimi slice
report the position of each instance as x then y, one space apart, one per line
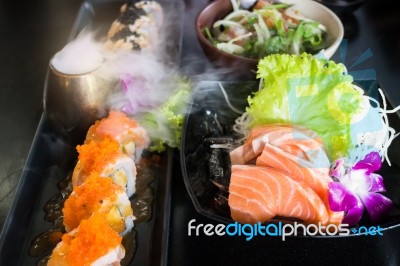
302 170
257 194
132 138
246 152
298 168
317 178
275 135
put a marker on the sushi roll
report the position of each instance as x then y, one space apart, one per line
99 195
136 27
105 158
94 242
133 138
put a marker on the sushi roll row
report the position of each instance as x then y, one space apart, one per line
98 212
136 27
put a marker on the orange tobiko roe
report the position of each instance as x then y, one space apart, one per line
93 239
88 198
95 154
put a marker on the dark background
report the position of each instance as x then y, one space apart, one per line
32 31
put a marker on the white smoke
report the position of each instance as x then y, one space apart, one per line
144 82
80 56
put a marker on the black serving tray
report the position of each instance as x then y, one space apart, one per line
49 161
51 158
210 112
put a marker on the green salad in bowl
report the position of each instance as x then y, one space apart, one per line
267 28
233 33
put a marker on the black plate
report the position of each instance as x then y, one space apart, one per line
210 113
51 159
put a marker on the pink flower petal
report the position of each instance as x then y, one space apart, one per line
376 183
340 198
354 215
377 205
371 162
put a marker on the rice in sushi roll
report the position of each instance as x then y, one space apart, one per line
136 27
105 158
99 195
93 243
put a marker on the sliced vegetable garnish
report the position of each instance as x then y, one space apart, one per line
209 36
271 31
277 6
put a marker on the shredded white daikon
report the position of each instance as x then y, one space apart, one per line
227 100
380 139
242 123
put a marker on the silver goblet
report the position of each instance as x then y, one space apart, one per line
72 103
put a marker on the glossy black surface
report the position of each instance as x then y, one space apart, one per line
32 31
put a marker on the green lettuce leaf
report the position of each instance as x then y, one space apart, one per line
308 91
164 124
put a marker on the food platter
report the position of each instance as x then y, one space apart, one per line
205 123
52 158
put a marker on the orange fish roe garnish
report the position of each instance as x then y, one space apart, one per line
89 198
93 239
94 155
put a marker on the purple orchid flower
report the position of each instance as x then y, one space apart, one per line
359 188
132 87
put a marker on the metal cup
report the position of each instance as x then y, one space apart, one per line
72 103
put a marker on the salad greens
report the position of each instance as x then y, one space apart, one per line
313 92
266 29
164 123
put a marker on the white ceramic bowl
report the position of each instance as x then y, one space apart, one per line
326 17
218 9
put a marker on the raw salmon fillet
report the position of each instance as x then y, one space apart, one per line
292 150
299 153
317 178
298 168
276 135
257 194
